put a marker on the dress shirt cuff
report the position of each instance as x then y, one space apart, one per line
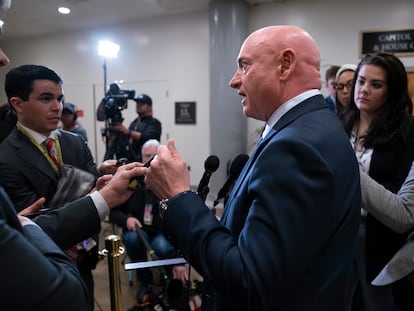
29 222
101 206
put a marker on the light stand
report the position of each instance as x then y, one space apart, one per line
104 71
107 49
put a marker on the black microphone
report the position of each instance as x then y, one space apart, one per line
211 164
236 166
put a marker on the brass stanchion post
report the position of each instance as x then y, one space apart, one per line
113 250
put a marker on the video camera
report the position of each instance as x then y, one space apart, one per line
113 103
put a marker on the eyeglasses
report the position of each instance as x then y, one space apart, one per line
341 86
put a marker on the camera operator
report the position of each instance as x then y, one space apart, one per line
144 127
110 111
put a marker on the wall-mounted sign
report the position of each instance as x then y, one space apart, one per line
400 42
185 112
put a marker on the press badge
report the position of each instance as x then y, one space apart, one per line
148 214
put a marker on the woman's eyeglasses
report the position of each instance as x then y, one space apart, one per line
341 86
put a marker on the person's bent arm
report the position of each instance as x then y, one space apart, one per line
39 275
82 218
396 211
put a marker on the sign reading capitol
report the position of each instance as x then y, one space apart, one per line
400 42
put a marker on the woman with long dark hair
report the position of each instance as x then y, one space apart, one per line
381 131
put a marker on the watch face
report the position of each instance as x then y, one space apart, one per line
162 207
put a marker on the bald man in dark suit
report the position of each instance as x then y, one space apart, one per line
288 234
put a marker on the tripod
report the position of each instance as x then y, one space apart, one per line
117 145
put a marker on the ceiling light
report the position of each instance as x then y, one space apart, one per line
63 10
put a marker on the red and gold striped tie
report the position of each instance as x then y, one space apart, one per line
49 146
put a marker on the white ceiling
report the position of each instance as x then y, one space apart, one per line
39 17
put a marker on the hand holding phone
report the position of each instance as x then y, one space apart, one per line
137 183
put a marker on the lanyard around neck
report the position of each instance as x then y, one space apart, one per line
42 149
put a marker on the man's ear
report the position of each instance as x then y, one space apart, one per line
16 103
287 62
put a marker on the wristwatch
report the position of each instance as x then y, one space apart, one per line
163 206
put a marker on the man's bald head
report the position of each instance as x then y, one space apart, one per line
284 40
275 64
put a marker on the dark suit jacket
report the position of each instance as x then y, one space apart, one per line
36 274
26 174
71 224
330 102
289 229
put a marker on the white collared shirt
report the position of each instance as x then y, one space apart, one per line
39 138
284 108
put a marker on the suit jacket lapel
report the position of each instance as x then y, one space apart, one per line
29 153
310 104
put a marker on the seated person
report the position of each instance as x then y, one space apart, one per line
142 210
